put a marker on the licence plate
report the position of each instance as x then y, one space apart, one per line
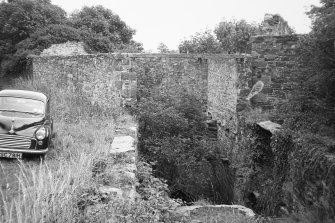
11 155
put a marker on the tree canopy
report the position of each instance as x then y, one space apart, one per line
201 42
234 35
19 19
162 48
108 27
312 106
228 37
30 26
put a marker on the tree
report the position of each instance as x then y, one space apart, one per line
312 106
30 26
323 32
18 21
200 43
234 35
162 48
111 32
132 47
229 37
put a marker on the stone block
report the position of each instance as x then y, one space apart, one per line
125 61
270 57
124 76
122 144
259 63
256 39
270 126
117 192
236 209
285 39
118 68
132 76
267 90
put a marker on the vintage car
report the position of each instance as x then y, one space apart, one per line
25 123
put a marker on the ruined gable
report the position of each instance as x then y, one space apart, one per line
65 49
275 25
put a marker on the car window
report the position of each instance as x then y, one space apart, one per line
23 105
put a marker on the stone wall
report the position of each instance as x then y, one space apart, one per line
229 83
226 82
94 77
275 25
174 72
228 78
112 78
274 63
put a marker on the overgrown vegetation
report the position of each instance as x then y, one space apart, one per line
311 107
175 139
228 37
309 115
29 27
65 187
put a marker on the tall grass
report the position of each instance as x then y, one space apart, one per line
63 188
50 191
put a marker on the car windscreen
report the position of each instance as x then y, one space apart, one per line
21 105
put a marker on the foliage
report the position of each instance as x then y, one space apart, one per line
132 47
110 32
204 42
312 174
174 137
229 37
323 56
311 107
234 35
18 21
50 191
29 27
162 48
286 173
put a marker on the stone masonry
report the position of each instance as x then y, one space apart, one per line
273 63
275 25
224 82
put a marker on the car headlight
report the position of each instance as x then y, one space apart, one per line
41 133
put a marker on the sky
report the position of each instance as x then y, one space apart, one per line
171 21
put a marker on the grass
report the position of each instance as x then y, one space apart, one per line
49 191
64 188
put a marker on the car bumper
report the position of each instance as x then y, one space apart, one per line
24 151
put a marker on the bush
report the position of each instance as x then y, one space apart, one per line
174 137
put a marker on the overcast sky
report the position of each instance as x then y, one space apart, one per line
170 21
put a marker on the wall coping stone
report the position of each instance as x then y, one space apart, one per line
142 55
264 38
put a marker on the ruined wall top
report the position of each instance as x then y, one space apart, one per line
275 25
65 49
